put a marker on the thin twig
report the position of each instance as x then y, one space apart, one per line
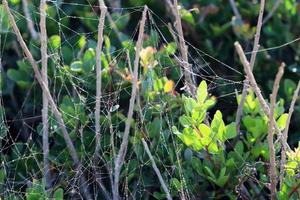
235 10
256 45
183 51
29 21
54 107
255 87
285 135
103 10
44 57
272 153
123 149
146 147
154 166
98 76
273 10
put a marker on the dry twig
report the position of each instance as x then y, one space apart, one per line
183 51
54 107
285 135
123 149
272 169
239 112
44 58
235 10
29 21
256 89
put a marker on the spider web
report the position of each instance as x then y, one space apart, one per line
21 151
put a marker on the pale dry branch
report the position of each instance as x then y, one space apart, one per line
98 76
154 166
255 87
53 105
44 58
273 10
123 149
272 168
101 23
235 10
285 134
183 51
29 21
256 45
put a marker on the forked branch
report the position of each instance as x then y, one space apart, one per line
256 89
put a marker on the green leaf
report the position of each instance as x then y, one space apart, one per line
187 16
4 22
59 194
230 131
289 87
89 60
198 115
202 92
55 41
82 42
76 66
154 128
2 177
281 122
188 154
210 173
189 104
218 126
185 121
171 48
213 147
222 178
176 184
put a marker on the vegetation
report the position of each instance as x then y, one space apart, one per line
149 99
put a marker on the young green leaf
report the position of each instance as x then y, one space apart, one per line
202 92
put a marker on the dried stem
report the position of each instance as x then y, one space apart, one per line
123 149
183 51
154 166
273 10
272 169
235 10
98 76
44 58
252 61
255 87
54 107
285 135
29 21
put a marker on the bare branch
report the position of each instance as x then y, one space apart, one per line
272 169
285 135
55 110
154 166
123 149
252 61
29 21
98 76
273 10
255 87
44 58
183 51
235 10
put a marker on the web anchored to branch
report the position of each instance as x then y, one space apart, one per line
107 131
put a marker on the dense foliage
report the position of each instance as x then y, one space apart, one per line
194 141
